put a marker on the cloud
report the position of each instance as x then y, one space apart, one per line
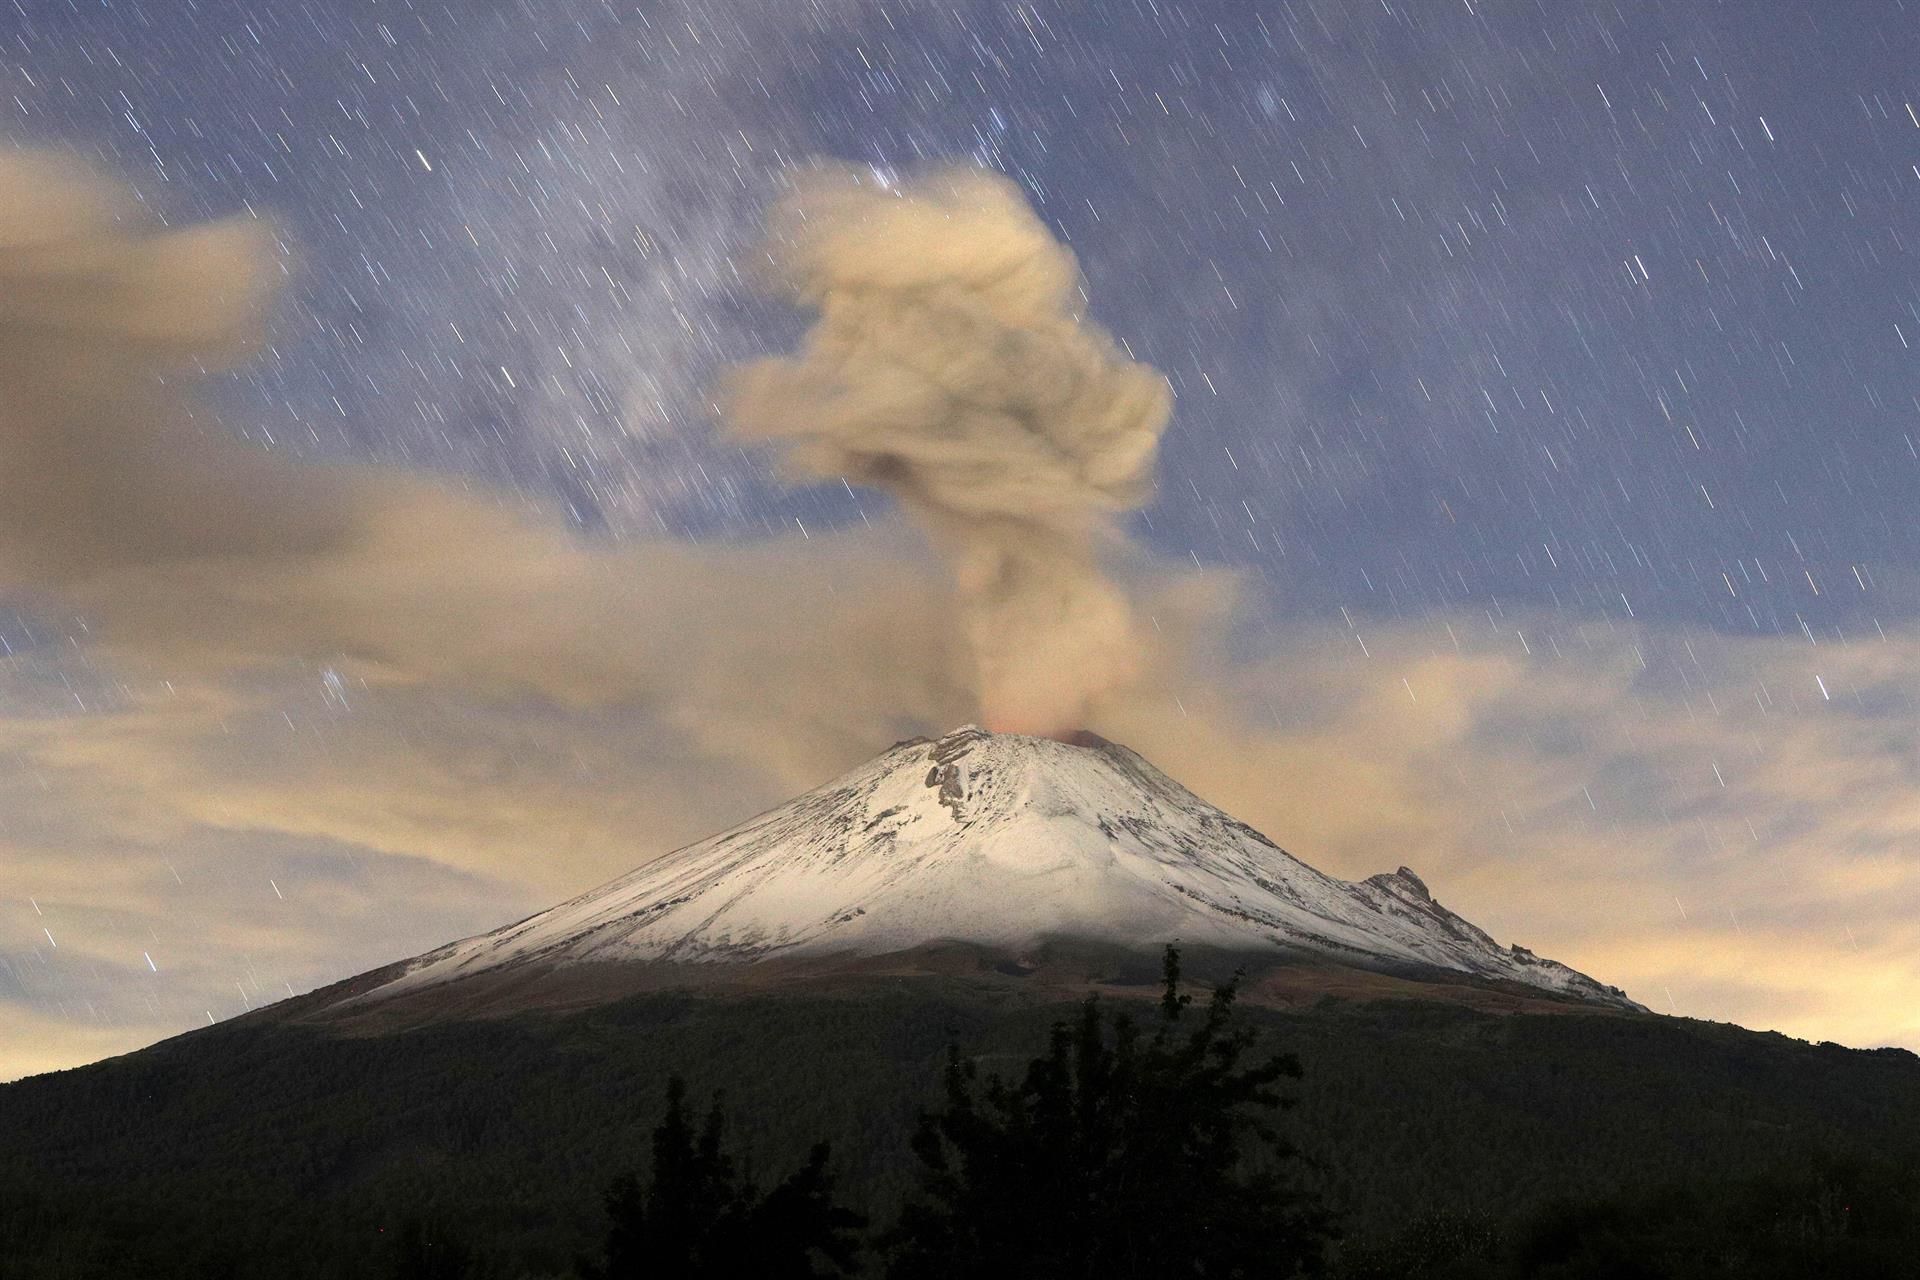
952 365
100 315
1722 826
125 941
1718 851
183 553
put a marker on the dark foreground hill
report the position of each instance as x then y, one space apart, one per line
282 1148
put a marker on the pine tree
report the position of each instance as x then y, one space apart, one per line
699 1218
1119 1154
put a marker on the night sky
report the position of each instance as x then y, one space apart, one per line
1555 361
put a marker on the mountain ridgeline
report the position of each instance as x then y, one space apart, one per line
1002 842
818 965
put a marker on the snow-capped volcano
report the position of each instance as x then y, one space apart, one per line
1005 841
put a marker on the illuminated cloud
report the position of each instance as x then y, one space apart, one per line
1574 803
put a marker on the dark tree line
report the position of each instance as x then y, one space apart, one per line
1125 1151
1455 1143
1120 1152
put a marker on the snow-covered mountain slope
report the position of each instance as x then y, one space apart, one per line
1000 840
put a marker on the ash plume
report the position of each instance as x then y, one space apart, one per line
127 514
952 365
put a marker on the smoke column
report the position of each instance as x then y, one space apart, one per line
951 365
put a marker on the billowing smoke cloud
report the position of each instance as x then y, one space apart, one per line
952 366
125 509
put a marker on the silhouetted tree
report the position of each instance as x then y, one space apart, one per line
1118 1155
698 1217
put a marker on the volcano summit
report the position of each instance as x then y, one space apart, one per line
1004 842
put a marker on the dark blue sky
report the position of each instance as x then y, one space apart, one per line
1593 307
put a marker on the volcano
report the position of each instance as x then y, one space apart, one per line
1005 843
821 966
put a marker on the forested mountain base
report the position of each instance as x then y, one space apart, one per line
264 1149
